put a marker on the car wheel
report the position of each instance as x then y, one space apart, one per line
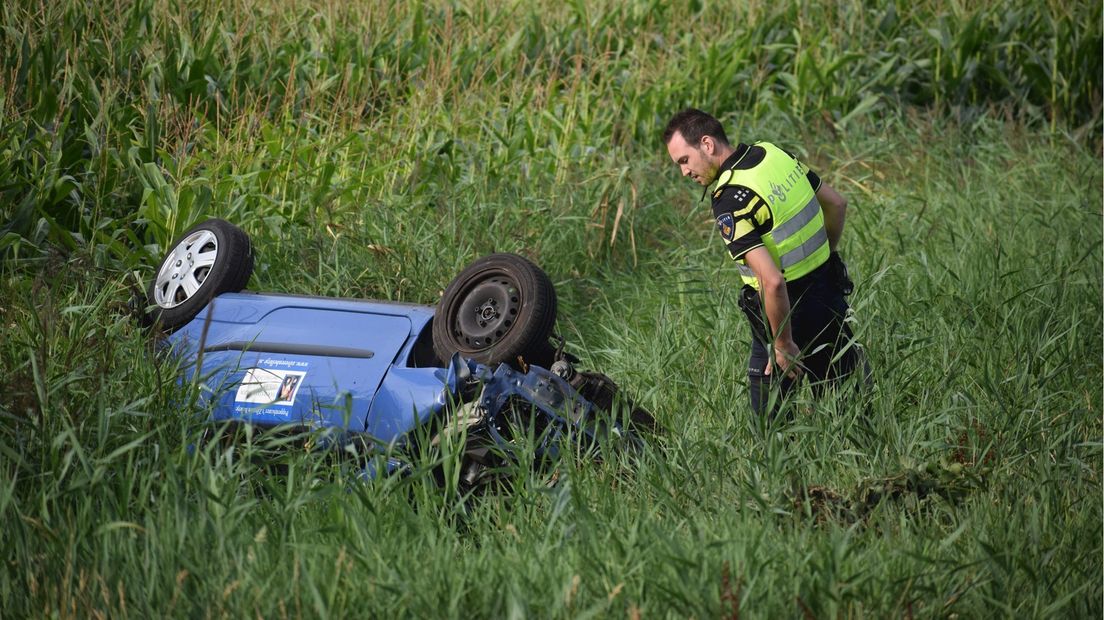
500 307
211 258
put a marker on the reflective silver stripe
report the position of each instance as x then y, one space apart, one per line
811 245
790 227
745 270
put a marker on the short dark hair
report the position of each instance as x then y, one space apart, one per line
693 124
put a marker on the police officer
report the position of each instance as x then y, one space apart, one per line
782 225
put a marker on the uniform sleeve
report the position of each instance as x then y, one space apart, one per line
814 178
742 219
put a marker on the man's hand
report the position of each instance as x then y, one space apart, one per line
786 356
776 305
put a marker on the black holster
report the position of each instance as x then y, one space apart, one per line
837 270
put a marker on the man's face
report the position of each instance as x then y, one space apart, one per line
694 160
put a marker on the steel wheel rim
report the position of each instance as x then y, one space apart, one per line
487 313
186 269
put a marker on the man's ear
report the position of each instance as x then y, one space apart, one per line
708 145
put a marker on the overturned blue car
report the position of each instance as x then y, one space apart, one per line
370 373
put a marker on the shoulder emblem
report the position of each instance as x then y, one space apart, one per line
726 225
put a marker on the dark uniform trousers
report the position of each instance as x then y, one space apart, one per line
817 312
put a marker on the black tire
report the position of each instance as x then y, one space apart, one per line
500 307
225 267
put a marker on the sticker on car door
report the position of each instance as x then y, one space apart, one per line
268 391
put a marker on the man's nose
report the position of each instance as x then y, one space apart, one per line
685 171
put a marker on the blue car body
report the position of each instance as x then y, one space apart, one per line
353 367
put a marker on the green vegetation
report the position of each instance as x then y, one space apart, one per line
373 149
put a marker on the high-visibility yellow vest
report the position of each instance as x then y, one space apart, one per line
797 240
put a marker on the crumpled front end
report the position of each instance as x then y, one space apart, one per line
537 413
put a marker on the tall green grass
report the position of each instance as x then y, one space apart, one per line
373 150
118 115
979 302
